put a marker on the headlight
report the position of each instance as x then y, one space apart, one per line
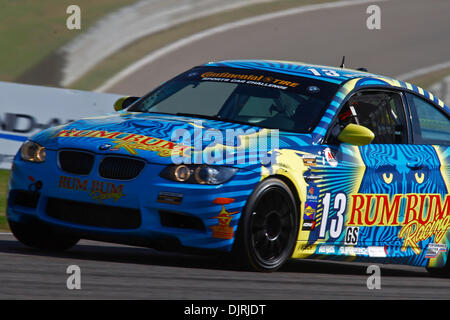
200 174
31 151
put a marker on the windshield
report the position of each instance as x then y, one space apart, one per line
255 97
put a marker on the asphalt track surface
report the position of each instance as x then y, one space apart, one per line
414 34
111 271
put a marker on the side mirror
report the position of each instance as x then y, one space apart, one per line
124 102
356 135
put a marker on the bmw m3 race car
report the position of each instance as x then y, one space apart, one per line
268 160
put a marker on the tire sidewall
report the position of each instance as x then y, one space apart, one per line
243 242
38 235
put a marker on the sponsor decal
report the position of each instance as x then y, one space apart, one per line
377 252
259 80
34 186
434 249
311 204
425 215
309 221
371 251
98 190
353 251
310 212
326 249
128 141
309 161
223 229
329 156
309 225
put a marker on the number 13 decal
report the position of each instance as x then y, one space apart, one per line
337 223
326 72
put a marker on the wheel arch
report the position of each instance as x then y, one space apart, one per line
241 250
298 188
291 186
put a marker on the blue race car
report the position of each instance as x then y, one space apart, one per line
268 160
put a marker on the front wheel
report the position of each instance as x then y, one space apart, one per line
41 236
268 229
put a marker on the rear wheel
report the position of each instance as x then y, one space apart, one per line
441 272
268 228
41 236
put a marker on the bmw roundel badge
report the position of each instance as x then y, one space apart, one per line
104 146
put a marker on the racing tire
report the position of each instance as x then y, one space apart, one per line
41 236
443 272
268 229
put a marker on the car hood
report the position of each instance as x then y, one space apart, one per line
154 137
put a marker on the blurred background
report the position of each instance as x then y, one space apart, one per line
59 62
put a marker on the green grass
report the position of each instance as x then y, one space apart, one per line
31 30
4 175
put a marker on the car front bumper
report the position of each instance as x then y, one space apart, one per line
147 210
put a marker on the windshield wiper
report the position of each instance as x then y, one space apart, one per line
216 117
202 116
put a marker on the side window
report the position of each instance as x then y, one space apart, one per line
380 111
430 126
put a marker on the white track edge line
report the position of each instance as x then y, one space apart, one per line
423 71
206 33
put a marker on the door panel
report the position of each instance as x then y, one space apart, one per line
390 196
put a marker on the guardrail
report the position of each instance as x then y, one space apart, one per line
27 109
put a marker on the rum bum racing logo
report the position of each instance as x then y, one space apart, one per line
130 142
98 190
425 215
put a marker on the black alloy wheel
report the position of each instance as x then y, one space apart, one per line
268 229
